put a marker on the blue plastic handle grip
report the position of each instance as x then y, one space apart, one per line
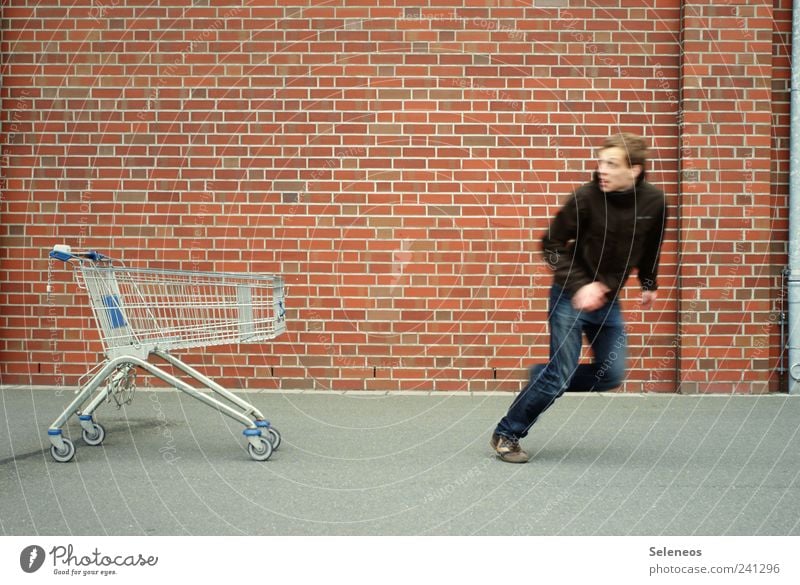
92 255
63 256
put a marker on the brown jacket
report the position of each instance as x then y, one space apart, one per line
600 236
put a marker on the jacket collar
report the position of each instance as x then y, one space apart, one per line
620 196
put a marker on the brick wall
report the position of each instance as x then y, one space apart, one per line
397 165
728 284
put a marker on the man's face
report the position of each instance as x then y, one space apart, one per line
613 170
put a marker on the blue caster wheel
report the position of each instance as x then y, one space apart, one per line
262 452
66 453
274 437
96 437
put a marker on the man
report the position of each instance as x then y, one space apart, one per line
606 228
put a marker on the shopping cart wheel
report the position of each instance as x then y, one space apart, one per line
64 455
274 437
96 437
262 452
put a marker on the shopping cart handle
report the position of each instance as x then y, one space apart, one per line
94 256
65 254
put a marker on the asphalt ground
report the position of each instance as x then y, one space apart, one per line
402 464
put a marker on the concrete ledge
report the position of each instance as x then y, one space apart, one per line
376 393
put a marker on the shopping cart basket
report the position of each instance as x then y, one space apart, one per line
145 312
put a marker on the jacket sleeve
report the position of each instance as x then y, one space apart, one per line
560 251
648 265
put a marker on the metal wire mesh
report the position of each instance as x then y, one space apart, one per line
172 309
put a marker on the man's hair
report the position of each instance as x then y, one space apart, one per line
634 146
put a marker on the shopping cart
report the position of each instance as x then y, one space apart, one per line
145 312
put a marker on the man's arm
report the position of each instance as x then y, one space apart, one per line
651 256
559 253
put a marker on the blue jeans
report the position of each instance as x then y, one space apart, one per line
605 329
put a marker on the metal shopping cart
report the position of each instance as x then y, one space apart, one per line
145 312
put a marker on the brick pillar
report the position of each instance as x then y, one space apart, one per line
726 281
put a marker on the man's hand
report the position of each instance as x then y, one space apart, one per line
590 297
648 296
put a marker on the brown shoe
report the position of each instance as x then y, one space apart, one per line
508 449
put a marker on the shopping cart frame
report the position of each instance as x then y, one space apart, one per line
131 332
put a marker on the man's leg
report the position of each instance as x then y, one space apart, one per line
606 332
582 380
566 332
607 371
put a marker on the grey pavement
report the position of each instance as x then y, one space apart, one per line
398 464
